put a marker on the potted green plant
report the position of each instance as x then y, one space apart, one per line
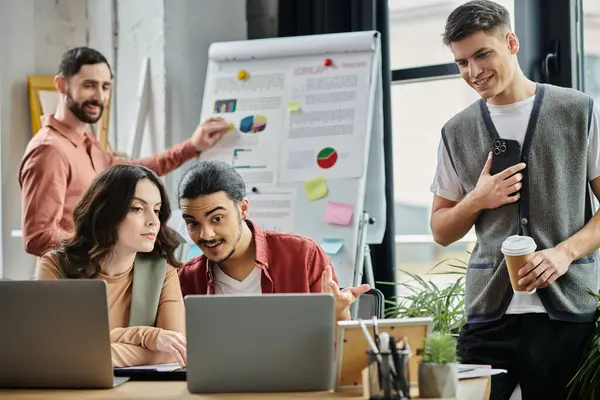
438 371
586 380
424 298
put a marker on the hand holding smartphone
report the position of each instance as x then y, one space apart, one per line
505 154
500 179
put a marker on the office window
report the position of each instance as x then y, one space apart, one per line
419 110
591 44
416 28
425 94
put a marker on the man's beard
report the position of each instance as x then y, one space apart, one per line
78 110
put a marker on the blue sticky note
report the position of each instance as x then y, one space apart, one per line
331 245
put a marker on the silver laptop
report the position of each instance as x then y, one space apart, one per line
55 334
260 343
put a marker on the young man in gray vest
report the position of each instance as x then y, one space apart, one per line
538 338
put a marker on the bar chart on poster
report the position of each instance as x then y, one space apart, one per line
306 136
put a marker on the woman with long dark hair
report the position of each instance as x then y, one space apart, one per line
121 236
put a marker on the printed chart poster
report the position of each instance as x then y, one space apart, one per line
254 108
325 124
273 210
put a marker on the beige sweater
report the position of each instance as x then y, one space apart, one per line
132 345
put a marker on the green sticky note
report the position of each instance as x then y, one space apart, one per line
316 188
293 105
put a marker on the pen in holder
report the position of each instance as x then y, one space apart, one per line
380 377
382 381
401 357
384 376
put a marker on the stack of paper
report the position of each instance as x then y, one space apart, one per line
473 371
155 367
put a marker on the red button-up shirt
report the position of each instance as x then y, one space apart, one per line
58 167
289 264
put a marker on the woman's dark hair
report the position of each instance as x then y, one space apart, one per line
98 214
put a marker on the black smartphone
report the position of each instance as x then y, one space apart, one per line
505 154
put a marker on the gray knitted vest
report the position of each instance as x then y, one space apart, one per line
555 201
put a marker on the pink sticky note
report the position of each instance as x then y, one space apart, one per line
338 213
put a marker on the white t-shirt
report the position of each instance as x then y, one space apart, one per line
511 123
224 284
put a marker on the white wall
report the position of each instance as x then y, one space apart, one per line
190 28
140 35
32 40
175 35
101 35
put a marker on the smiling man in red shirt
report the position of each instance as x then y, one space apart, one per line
238 256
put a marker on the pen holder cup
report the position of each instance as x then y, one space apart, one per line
382 385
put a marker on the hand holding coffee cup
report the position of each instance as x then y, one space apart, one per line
546 267
518 251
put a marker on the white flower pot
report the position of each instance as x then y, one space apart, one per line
436 380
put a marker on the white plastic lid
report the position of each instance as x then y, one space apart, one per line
518 245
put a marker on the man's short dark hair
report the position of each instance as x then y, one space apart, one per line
474 16
210 176
75 58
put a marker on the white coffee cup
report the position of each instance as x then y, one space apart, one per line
518 251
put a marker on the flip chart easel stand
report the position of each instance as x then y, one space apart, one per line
365 265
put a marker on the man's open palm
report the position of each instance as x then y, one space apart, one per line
343 297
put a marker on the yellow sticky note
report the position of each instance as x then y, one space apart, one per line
316 188
293 105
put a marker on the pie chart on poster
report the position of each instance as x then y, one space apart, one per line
253 124
327 157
